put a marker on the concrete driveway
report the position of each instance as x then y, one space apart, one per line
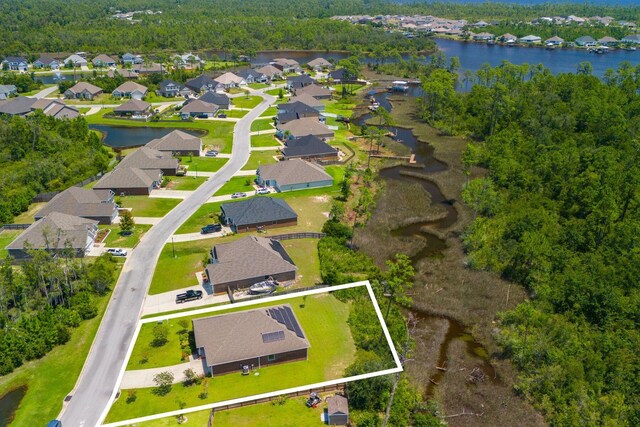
99 380
141 378
166 301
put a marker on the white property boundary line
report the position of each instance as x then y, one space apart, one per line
376 307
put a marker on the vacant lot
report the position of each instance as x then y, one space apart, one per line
246 101
115 240
148 206
203 164
322 317
237 184
261 124
185 183
264 140
270 112
258 158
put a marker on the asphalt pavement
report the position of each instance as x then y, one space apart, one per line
96 386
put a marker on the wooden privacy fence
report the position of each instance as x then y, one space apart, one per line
14 227
46 197
290 236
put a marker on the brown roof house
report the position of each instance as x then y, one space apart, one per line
247 261
177 142
97 205
198 108
271 72
134 108
308 100
149 158
337 410
303 127
317 91
130 90
254 338
294 174
130 181
103 60
319 64
82 90
258 213
56 232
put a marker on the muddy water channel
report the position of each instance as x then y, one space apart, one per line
431 332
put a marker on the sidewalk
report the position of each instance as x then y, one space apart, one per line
170 194
245 173
263 132
273 147
141 378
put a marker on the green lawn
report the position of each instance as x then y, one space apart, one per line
270 112
246 101
237 184
219 134
276 91
294 413
105 98
51 378
6 237
205 214
258 158
261 124
203 164
83 110
26 217
35 91
152 97
148 206
185 183
237 114
258 85
304 253
264 140
340 107
323 319
115 240
194 419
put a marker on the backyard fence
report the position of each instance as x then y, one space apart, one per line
14 227
46 197
338 162
291 236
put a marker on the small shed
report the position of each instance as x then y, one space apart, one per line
337 410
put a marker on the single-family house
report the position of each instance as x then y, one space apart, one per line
253 76
480 24
46 61
55 108
287 65
82 90
103 60
130 90
608 41
127 74
135 108
341 75
169 89
152 68
20 106
229 80
554 41
198 108
16 63
178 143
131 59
244 262
271 72
297 82
257 212
294 111
508 38
308 100
187 60
97 205
631 39
7 90
220 99
130 181
317 91
586 41
309 148
149 158
254 338
319 64
201 84
294 174
483 36
337 410
75 60
303 127
57 233
530 39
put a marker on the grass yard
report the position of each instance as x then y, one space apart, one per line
270 112
276 91
185 183
264 140
203 164
6 237
115 240
340 107
26 217
304 253
261 124
51 378
322 317
246 101
194 419
152 97
258 158
237 114
84 110
206 214
293 413
237 184
258 85
147 206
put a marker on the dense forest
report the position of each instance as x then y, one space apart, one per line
43 299
558 212
41 154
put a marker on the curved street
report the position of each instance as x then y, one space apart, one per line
104 365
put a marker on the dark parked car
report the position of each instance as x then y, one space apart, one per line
222 115
190 295
211 228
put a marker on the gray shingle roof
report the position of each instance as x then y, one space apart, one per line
239 336
176 140
294 171
314 90
133 105
54 231
306 99
269 71
199 106
306 126
82 86
149 158
80 202
337 405
129 86
200 81
17 106
319 62
219 99
257 210
308 146
124 177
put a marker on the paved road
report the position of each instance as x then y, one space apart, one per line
46 91
104 364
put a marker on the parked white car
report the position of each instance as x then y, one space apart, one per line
117 252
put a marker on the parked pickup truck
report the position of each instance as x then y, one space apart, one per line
188 296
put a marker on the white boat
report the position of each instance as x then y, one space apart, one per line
264 287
